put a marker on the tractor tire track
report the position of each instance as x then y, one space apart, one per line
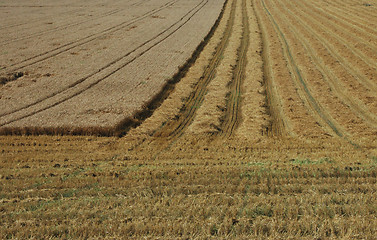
77 43
346 66
173 99
176 128
359 23
354 27
361 8
94 73
174 28
63 27
278 125
329 76
367 66
38 19
350 6
359 34
342 54
254 116
140 3
232 115
44 18
357 45
298 78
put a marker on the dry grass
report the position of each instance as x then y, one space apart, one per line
303 180
172 105
87 187
254 112
211 110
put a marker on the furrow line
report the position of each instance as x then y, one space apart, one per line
176 127
343 53
186 18
77 43
328 75
362 9
278 125
41 33
81 80
37 20
360 23
254 116
232 114
140 2
44 18
172 99
359 34
365 50
308 97
329 34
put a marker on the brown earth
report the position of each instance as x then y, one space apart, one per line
270 133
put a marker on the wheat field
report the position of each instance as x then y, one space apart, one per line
267 131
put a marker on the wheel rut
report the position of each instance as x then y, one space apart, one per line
108 70
278 125
37 20
360 47
329 76
60 28
348 57
77 43
307 96
232 113
177 126
353 19
360 12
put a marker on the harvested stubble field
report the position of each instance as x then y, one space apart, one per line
268 132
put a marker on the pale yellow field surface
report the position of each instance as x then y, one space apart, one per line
89 64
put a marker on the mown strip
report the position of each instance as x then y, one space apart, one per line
176 127
311 100
232 114
363 49
278 125
330 76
